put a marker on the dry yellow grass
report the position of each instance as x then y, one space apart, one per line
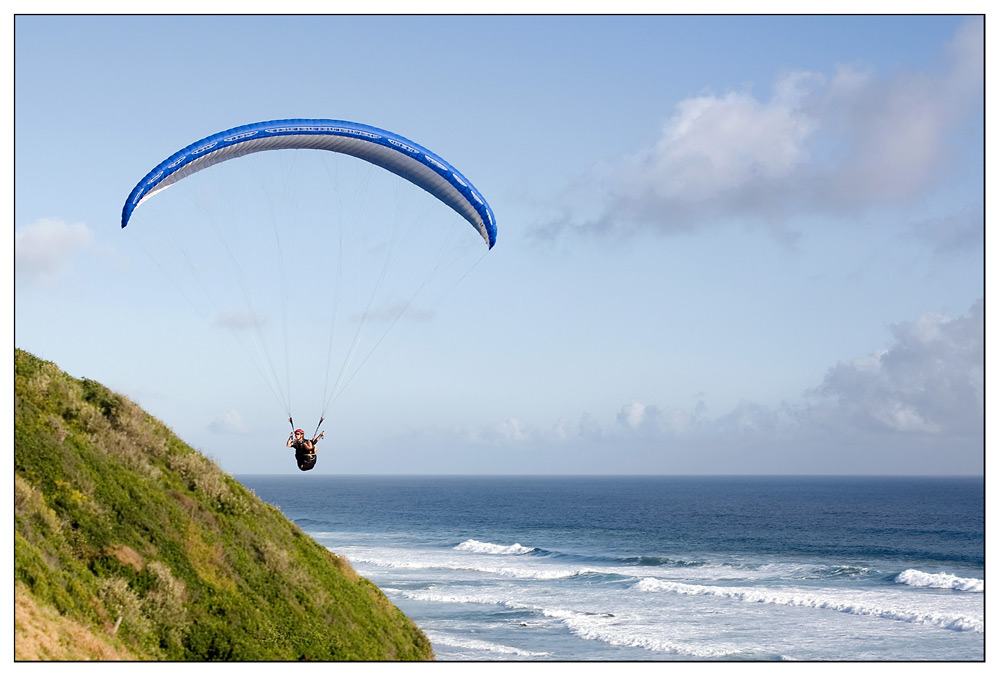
42 634
126 555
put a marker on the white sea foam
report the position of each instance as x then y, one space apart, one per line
617 631
949 621
443 639
919 579
533 574
472 545
440 597
601 627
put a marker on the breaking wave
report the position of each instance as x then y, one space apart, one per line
540 574
919 579
473 545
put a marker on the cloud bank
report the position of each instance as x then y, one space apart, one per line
914 407
818 144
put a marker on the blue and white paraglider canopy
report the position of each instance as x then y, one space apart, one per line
377 146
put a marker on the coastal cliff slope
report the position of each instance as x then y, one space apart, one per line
131 545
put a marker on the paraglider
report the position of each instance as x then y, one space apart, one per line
305 450
398 155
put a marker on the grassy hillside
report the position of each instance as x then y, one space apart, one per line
131 545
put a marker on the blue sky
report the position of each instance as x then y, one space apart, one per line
726 244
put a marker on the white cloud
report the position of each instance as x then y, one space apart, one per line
651 420
717 146
632 414
43 249
229 423
929 381
817 144
748 418
513 430
894 132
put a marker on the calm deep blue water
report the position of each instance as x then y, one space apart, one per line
663 568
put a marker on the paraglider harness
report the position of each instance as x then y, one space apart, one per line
305 458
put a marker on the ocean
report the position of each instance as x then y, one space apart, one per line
663 568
